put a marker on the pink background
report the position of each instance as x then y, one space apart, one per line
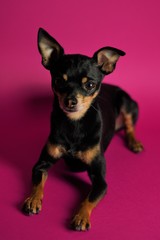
131 210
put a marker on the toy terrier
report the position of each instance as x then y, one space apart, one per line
85 116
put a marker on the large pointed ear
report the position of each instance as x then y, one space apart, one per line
49 48
107 58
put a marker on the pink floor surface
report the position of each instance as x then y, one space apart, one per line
131 209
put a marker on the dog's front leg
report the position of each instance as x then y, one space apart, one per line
49 156
81 221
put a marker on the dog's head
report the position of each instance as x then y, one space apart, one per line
76 78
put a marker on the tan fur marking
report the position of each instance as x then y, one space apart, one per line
55 151
76 115
128 123
65 77
88 155
84 80
38 190
89 206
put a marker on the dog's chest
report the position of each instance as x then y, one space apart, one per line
76 137
79 135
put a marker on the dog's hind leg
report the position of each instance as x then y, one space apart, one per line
130 115
127 110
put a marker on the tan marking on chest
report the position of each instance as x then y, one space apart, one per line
88 155
55 151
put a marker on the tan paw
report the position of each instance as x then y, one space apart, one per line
32 205
81 222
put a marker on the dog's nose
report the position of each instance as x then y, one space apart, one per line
71 102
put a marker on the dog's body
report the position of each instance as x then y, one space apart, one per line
85 116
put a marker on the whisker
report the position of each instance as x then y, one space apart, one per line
101 98
94 108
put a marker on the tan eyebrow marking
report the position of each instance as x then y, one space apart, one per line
84 79
65 77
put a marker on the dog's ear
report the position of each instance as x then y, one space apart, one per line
107 58
49 48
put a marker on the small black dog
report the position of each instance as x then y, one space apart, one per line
85 116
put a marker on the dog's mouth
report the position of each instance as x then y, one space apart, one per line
71 109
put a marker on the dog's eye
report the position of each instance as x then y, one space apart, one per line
90 85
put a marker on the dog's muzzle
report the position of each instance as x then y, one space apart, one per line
70 104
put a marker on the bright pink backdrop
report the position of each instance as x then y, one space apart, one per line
131 210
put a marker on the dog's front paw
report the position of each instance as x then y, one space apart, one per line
32 205
81 222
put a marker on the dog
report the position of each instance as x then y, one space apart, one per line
86 114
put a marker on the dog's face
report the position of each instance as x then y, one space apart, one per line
76 81
76 78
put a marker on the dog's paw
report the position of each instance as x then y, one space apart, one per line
135 146
81 222
32 205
